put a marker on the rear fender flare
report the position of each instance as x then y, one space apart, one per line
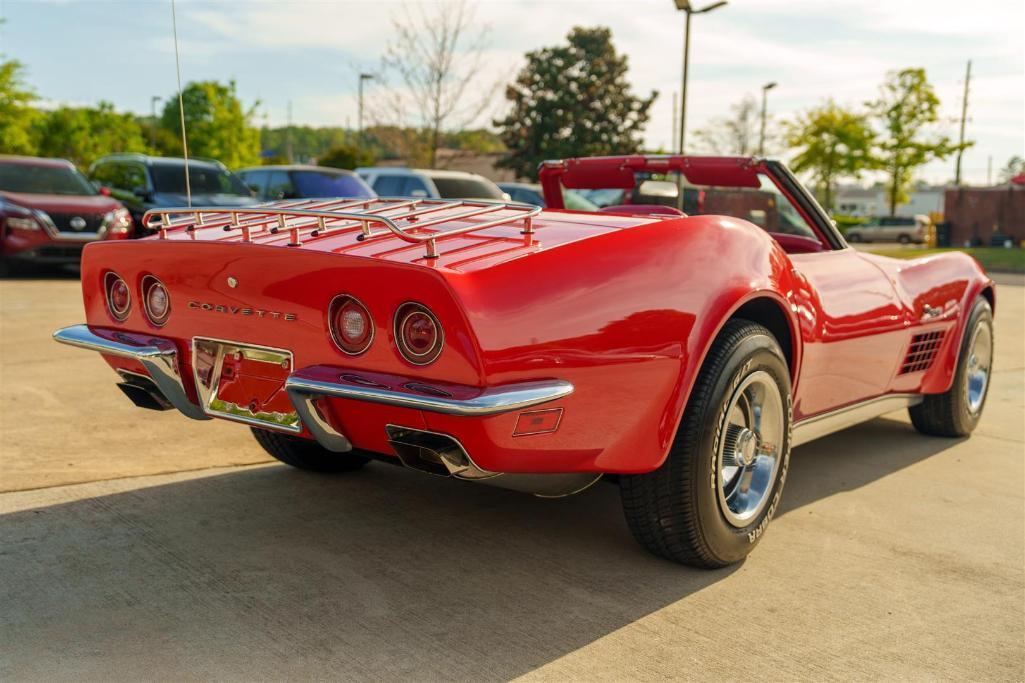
704 337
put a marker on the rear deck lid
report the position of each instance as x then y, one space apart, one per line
457 235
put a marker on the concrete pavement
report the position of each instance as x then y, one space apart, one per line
145 546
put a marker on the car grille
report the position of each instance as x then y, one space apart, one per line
922 351
93 222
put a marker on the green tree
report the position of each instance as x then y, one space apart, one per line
82 134
907 108
572 100
307 142
16 112
474 140
345 156
216 123
831 142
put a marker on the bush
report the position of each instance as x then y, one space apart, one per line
345 156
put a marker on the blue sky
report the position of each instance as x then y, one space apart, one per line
310 52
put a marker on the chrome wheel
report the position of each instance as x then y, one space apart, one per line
980 359
749 448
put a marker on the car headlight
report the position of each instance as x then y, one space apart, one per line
23 223
117 221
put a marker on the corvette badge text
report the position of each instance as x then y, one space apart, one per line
242 310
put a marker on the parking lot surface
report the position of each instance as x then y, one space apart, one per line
141 545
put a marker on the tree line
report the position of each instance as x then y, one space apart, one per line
570 99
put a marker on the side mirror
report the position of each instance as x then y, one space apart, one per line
104 190
141 192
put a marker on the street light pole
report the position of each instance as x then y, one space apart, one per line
683 87
761 135
153 121
359 115
684 6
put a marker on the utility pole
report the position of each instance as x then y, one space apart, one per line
761 133
964 117
288 134
359 114
989 171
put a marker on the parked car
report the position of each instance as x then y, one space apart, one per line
903 229
540 350
389 181
145 182
297 182
530 193
49 211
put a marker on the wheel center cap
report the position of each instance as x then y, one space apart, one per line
747 446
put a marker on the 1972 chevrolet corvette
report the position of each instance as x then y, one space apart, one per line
683 351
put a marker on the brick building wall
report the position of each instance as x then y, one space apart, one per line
976 214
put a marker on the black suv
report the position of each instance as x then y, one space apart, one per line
143 182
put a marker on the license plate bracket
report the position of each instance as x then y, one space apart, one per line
244 382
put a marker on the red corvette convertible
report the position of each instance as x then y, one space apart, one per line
683 339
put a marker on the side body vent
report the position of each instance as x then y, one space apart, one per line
922 351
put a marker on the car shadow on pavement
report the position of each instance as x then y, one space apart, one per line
268 572
853 458
42 272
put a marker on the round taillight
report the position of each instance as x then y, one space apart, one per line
418 334
119 297
351 327
156 300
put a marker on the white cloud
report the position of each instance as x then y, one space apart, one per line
814 49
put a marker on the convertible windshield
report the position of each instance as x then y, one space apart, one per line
43 180
765 206
204 179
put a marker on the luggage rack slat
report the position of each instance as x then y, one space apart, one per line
318 218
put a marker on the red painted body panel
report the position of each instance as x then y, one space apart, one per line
623 307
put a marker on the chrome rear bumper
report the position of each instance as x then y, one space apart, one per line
306 386
158 356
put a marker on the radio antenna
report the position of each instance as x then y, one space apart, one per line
181 105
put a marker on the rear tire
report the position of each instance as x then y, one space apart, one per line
904 239
305 454
854 238
956 412
711 500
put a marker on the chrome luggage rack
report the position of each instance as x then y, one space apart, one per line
310 219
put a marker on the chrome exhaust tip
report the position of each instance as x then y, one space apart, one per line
142 391
443 455
438 454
